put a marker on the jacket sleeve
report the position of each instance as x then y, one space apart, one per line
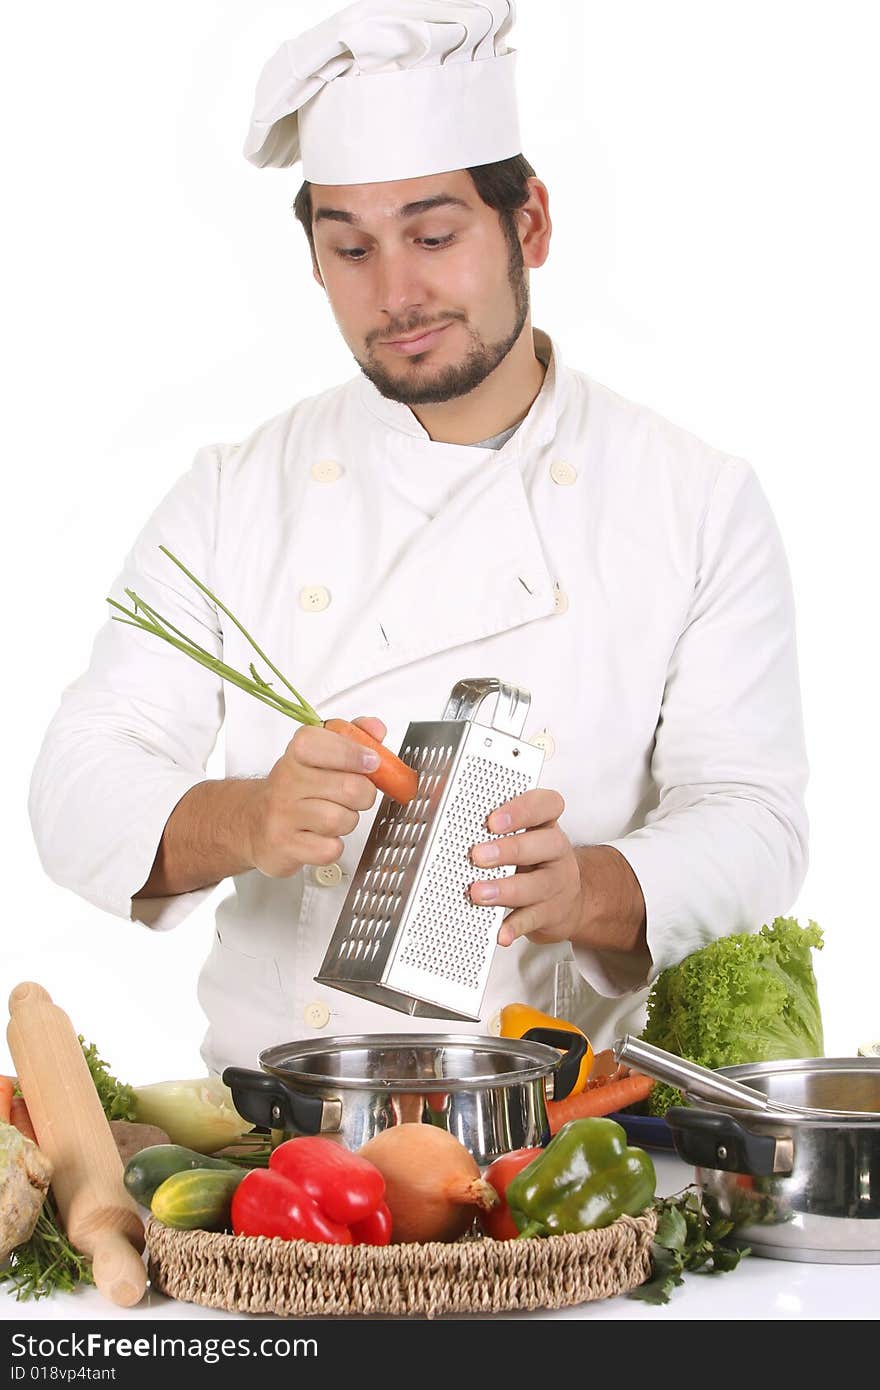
725 849
134 733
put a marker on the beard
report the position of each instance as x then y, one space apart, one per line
462 377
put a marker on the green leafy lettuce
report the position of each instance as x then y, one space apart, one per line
743 998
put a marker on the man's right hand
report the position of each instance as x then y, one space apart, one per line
310 799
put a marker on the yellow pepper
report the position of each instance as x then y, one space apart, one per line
517 1019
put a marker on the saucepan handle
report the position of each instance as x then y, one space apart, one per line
700 1082
707 1140
268 1101
565 1074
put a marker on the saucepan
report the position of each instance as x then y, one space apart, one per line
789 1151
489 1092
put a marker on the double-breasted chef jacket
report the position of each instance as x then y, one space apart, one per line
627 575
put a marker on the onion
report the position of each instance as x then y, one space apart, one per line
432 1183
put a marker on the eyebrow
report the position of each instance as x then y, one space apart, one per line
439 200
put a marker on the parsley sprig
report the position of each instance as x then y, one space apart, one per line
689 1239
47 1262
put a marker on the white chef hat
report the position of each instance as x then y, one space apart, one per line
390 89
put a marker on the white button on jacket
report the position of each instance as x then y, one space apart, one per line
313 599
326 471
328 875
670 685
563 473
317 1014
546 742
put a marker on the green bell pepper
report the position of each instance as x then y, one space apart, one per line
585 1178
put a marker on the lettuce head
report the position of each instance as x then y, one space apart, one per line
743 998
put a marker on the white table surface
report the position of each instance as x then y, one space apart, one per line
758 1289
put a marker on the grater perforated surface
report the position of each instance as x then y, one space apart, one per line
409 935
396 842
449 935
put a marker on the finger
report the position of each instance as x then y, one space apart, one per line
530 847
316 747
372 726
536 807
519 890
310 848
349 789
326 818
542 922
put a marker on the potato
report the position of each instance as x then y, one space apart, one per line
131 1138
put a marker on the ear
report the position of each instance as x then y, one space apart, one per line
535 227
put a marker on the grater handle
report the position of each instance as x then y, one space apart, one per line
511 703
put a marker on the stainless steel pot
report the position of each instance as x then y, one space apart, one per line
788 1151
489 1092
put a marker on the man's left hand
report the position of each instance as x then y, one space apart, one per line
545 892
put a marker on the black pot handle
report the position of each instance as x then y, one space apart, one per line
268 1101
709 1140
567 1069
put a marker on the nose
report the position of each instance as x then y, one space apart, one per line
400 287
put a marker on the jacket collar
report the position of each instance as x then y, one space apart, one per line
476 569
538 427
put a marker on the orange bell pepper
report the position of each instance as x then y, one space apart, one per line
517 1019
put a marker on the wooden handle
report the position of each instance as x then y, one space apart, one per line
73 1132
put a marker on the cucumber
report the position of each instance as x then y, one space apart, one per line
196 1199
149 1168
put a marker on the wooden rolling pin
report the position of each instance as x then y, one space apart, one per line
99 1216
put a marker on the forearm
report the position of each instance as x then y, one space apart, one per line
612 906
206 839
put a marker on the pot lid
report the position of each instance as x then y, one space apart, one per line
410 1061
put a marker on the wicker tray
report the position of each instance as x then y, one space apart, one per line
253 1274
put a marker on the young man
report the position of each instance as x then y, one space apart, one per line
466 506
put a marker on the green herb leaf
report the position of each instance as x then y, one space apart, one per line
725 1258
117 1099
689 1238
671 1229
47 1262
667 1275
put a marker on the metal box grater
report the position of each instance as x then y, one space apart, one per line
408 935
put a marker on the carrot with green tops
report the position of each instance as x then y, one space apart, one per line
393 776
599 1100
7 1088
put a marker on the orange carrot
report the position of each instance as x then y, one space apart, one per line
600 1100
19 1116
392 776
7 1086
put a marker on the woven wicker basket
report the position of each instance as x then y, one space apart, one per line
252 1274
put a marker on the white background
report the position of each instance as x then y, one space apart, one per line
713 181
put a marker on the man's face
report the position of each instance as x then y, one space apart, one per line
428 291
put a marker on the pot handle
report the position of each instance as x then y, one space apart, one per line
719 1141
567 1069
268 1101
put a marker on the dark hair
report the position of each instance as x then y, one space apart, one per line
502 186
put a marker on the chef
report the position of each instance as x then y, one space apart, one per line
466 505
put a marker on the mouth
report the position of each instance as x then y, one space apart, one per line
420 342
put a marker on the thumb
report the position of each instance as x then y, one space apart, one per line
374 727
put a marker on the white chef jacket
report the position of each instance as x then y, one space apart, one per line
628 576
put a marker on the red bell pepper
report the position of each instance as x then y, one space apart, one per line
269 1204
345 1186
498 1222
375 1229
